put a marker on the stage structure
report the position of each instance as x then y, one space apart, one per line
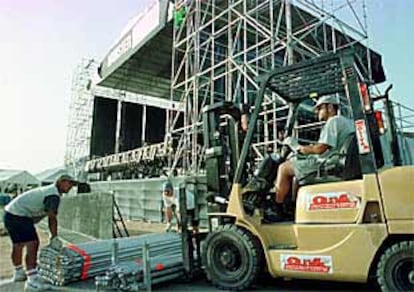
106 125
220 47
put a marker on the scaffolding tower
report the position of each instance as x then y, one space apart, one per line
221 46
80 116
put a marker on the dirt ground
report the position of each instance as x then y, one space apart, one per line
6 267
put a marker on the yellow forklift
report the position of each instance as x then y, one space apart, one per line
353 221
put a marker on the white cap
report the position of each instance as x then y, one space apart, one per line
67 177
332 99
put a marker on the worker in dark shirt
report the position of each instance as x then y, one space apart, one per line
20 216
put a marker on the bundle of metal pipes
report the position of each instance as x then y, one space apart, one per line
131 275
86 260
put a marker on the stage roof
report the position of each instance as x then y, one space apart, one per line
140 61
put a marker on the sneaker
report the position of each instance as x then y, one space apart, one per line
37 284
19 275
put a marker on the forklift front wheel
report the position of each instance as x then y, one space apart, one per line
232 258
395 271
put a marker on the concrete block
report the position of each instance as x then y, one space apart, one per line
90 214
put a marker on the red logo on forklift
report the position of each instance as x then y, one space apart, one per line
361 131
312 264
333 201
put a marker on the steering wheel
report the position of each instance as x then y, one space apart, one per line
289 146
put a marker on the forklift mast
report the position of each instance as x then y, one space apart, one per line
221 141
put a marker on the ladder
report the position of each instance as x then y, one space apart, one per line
119 228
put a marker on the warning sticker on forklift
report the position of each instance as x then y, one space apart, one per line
305 263
361 131
329 201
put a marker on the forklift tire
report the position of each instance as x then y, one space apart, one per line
395 270
232 258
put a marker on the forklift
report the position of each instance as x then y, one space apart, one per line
353 221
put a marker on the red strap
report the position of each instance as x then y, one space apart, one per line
86 260
159 267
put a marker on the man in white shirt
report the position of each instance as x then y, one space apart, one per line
20 216
171 204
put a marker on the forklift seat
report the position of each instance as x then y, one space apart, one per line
340 166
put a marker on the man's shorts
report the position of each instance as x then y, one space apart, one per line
21 229
305 166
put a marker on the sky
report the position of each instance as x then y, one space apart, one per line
42 42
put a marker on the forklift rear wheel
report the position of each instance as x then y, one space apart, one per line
232 258
395 271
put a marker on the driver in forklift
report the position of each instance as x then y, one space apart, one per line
332 136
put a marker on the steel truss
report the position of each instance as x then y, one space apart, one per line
222 46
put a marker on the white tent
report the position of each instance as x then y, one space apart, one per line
17 180
49 176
